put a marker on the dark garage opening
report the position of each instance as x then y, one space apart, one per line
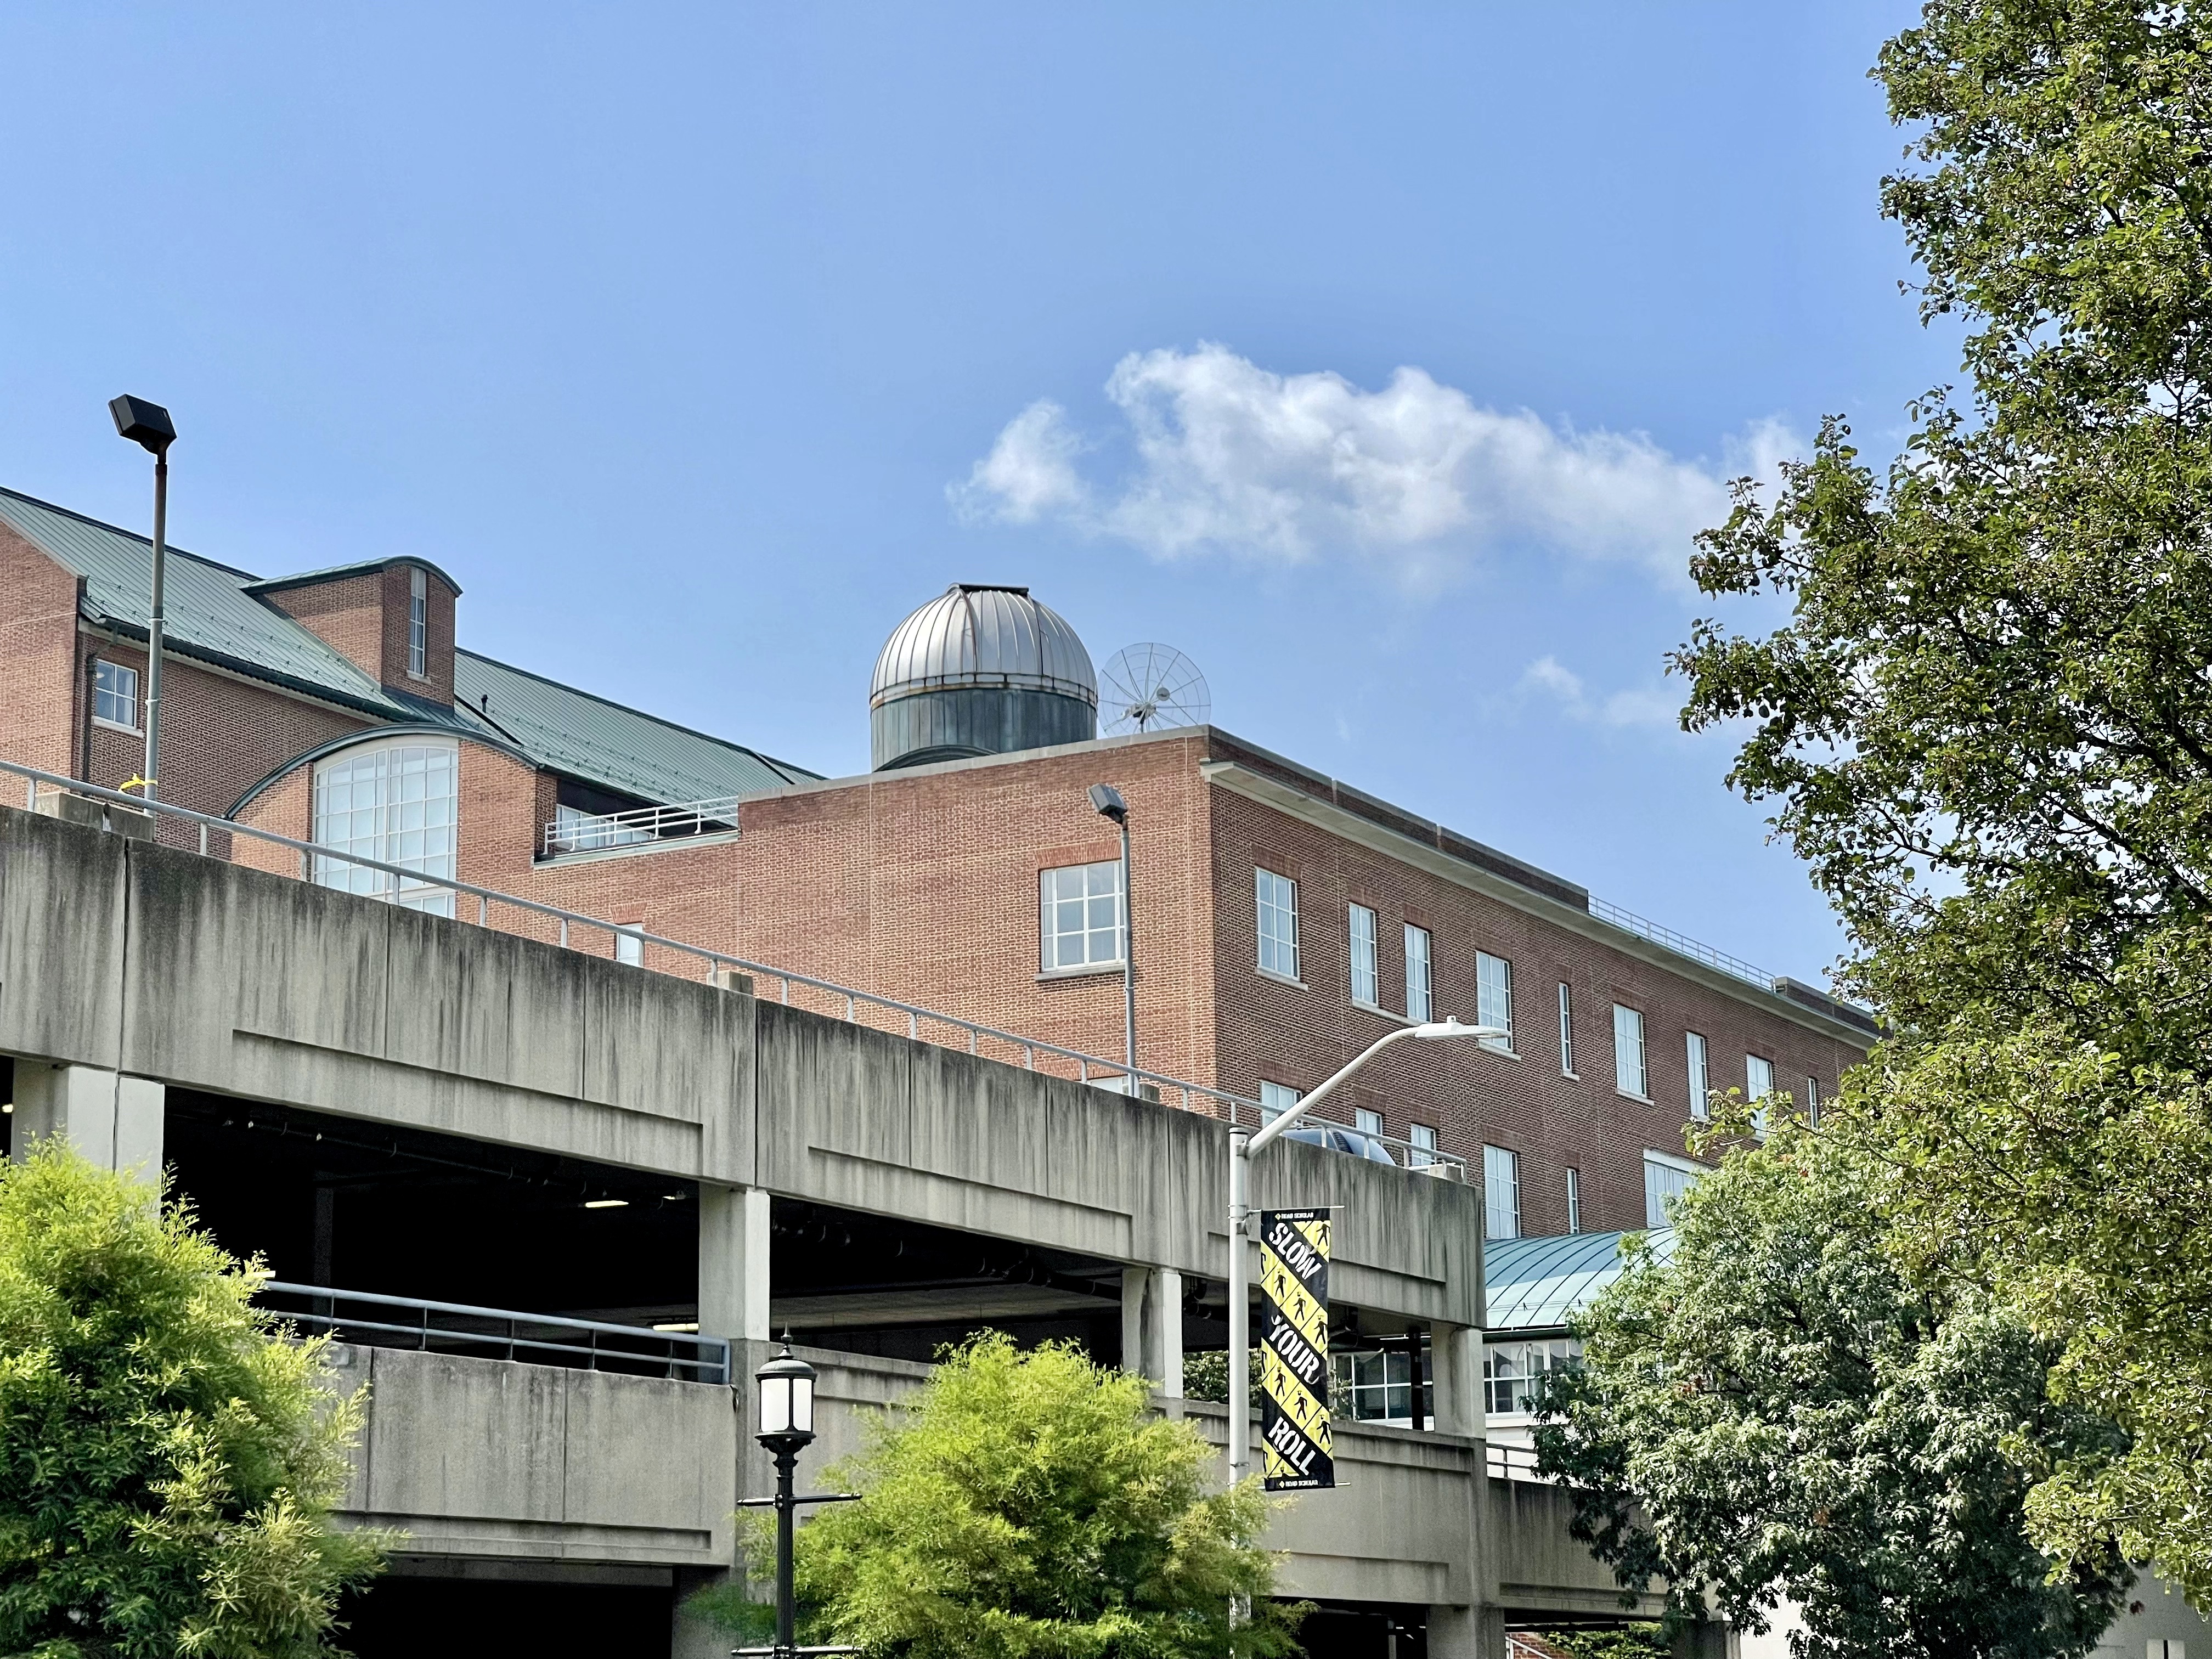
403 1617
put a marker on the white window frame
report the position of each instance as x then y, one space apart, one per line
1367 1120
1566 1030
111 696
381 795
1420 974
1370 1382
1275 909
1081 889
418 622
1574 1199
1812 1102
1422 1139
1699 1054
629 946
1275 1099
1493 998
1513 1372
1629 1062
1360 927
1501 1192
1657 1194
1756 1093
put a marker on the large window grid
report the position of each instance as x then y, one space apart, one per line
114 694
1700 1077
1378 1387
1277 900
1628 1069
1513 1373
1366 976
1501 1193
418 623
399 803
1080 916
1420 1005
1493 998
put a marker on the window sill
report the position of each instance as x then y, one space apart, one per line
1282 979
1641 1100
1089 970
115 726
1572 1077
1376 1008
1503 1054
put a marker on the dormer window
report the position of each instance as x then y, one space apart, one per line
418 623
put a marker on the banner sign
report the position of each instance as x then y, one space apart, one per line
1294 1378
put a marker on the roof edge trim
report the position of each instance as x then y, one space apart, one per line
338 573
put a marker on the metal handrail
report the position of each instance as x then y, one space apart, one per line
596 832
1509 1463
1235 1110
709 1363
1681 944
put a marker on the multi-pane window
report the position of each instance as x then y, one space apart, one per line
1493 997
630 947
1419 1003
1278 900
418 623
1628 1073
114 694
1275 1099
1759 1083
1079 916
398 802
1366 978
1700 1079
1367 1122
1513 1372
1379 1387
1566 1030
1501 1193
1574 1199
1812 1102
1423 1139
1665 1180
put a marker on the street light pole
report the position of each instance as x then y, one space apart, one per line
148 426
786 1390
1242 1146
1109 802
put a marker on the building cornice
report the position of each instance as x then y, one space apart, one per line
1351 826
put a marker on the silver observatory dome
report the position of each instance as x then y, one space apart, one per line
979 670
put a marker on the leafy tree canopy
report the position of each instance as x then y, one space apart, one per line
1030 1504
168 1460
1777 1411
1988 724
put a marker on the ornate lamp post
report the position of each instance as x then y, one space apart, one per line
785 1390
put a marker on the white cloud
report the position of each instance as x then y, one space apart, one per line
1029 471
1228 457
1638 706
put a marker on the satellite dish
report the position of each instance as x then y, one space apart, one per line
1150 687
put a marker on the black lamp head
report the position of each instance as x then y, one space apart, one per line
1107 800
145 424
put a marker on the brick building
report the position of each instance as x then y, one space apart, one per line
1283 920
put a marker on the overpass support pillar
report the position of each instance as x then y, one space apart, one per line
1476 1632
114 1121
1456 1355
733 1262
1152 1327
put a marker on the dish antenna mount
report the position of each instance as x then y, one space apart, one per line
1149 687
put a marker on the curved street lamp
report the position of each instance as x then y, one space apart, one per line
1241 1146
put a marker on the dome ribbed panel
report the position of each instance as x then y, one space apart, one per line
983 637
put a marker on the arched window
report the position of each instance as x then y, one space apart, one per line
399 801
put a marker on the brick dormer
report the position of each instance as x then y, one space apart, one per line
367 613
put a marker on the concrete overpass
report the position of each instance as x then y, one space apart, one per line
136 980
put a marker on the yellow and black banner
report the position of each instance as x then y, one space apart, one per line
1294 1441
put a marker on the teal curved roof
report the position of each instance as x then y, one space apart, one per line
1539 1283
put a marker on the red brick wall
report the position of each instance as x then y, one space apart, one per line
287 807
1282 1034
40 693
364 619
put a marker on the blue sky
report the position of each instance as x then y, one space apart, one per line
1380 358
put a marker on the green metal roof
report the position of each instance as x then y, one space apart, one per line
565 730
1539 1283
213 614
337 572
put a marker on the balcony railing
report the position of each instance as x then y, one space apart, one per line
1681 944
575 831
455 1328
793 989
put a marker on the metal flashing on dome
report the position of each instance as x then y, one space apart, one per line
983 669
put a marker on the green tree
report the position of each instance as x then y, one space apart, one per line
1030 1504
1777 1411
169 1458
1988 722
